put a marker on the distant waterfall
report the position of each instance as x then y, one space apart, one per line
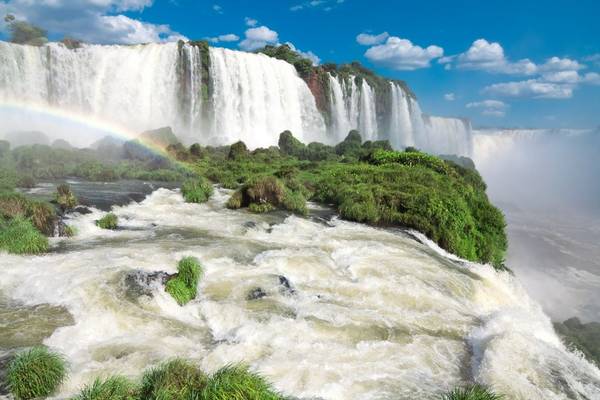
237 96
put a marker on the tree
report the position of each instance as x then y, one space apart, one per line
22 32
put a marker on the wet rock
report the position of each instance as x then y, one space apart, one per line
83 210
250 225
4 361
60 228
285 286
141 283
255 294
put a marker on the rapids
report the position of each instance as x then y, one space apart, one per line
372 314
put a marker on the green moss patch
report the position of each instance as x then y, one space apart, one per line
35 373
183 287
109 221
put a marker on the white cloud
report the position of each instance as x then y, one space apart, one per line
259 37
490 108
401 54
561 64
591 78
594 58
561 76
532 88
326 5
486 56
94 21
217 8
493 104
230 37
369 40
449 97
250 21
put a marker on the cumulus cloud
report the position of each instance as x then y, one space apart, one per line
449 97
594 58
486 56
490 108
250 22
402 54
369 40
230 37
561 64
259 37
535 88
94 21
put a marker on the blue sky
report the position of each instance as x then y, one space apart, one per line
500 63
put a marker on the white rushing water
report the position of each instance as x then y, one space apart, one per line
249 97
373 314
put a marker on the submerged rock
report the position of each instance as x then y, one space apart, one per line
83 210
285 286
141 283
255 294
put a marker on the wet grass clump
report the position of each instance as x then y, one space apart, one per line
113 388
35 373
475 392
237 382
183 287
174 380
266 193
65 198
109 221
19 236
196 190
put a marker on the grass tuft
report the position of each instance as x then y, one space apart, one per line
35 373
197 190
113 388
184 286
19 236
109 221
475 392
174 380
65 198
236 382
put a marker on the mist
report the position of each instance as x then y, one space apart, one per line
547 184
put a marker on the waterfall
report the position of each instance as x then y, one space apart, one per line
257 97
249 97
401 128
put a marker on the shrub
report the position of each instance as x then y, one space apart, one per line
183 286
289 145
197 190
260 208
35 373
42 215
113 388
19 236
235 201
65 198
109 221
174 380
351 146
295 202
237 382
238 150
475 392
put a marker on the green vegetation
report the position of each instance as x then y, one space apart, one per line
367 182
109 221
41 215
35 373
19 236
236 382
65 198
22 32
284 52
197 190
174 380
584 337
184 285
475 392
113 388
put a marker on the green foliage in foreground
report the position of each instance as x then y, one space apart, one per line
371 184
236 382
109 221
196 190
174 380
184 286
475 392
41 214
113 388
19 236
35 373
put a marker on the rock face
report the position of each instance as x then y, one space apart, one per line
585 337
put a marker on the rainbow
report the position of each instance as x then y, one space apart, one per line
89 121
